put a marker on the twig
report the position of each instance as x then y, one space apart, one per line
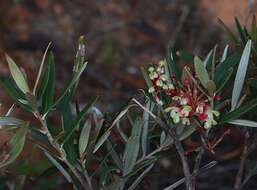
61 151
181 181
182 19
171 131
240 173
249 150
197 165
160 149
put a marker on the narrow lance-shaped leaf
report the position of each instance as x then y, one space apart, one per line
241 31
162 137
239 111
65 109
16 145
240 75
59 167
222 69
118 184
221 84
201 71
106 134
213 63
230 33
44 78
146 77
243 122
187 132
35 168
254 30
17 75
40 72
71 84
14 92
132 148
7 120
185 56
174 68
208 58
149 106
79 62
49 91
115 156
77 121
225 54
105 173
84 137
140 177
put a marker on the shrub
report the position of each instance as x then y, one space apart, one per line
178 103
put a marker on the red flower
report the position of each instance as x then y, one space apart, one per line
202 116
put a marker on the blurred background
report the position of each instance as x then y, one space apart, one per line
121 37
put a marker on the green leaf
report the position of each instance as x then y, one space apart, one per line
243 122
118 184
16 145
225 54
65 109
175 70
146 77
39 136
254 30
239 111
132 148
48 96
188 130
74 81
75 124
40 72
207 60
230 33
33 168
106 173
162 137
43 81
89 153
223 67
101 140
144 138
84 137
140 177
59 167
185 56
107 133
10 121
240 31
114 154
14 92
221 84
17 75
201 71
240 75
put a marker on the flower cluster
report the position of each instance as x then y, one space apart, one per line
184 101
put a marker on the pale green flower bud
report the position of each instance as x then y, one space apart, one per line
151 90
171 86
153 75
159 83
151 69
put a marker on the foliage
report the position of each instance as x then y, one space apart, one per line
178 103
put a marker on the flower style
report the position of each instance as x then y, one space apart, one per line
184 101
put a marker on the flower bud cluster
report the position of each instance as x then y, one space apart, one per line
185 102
